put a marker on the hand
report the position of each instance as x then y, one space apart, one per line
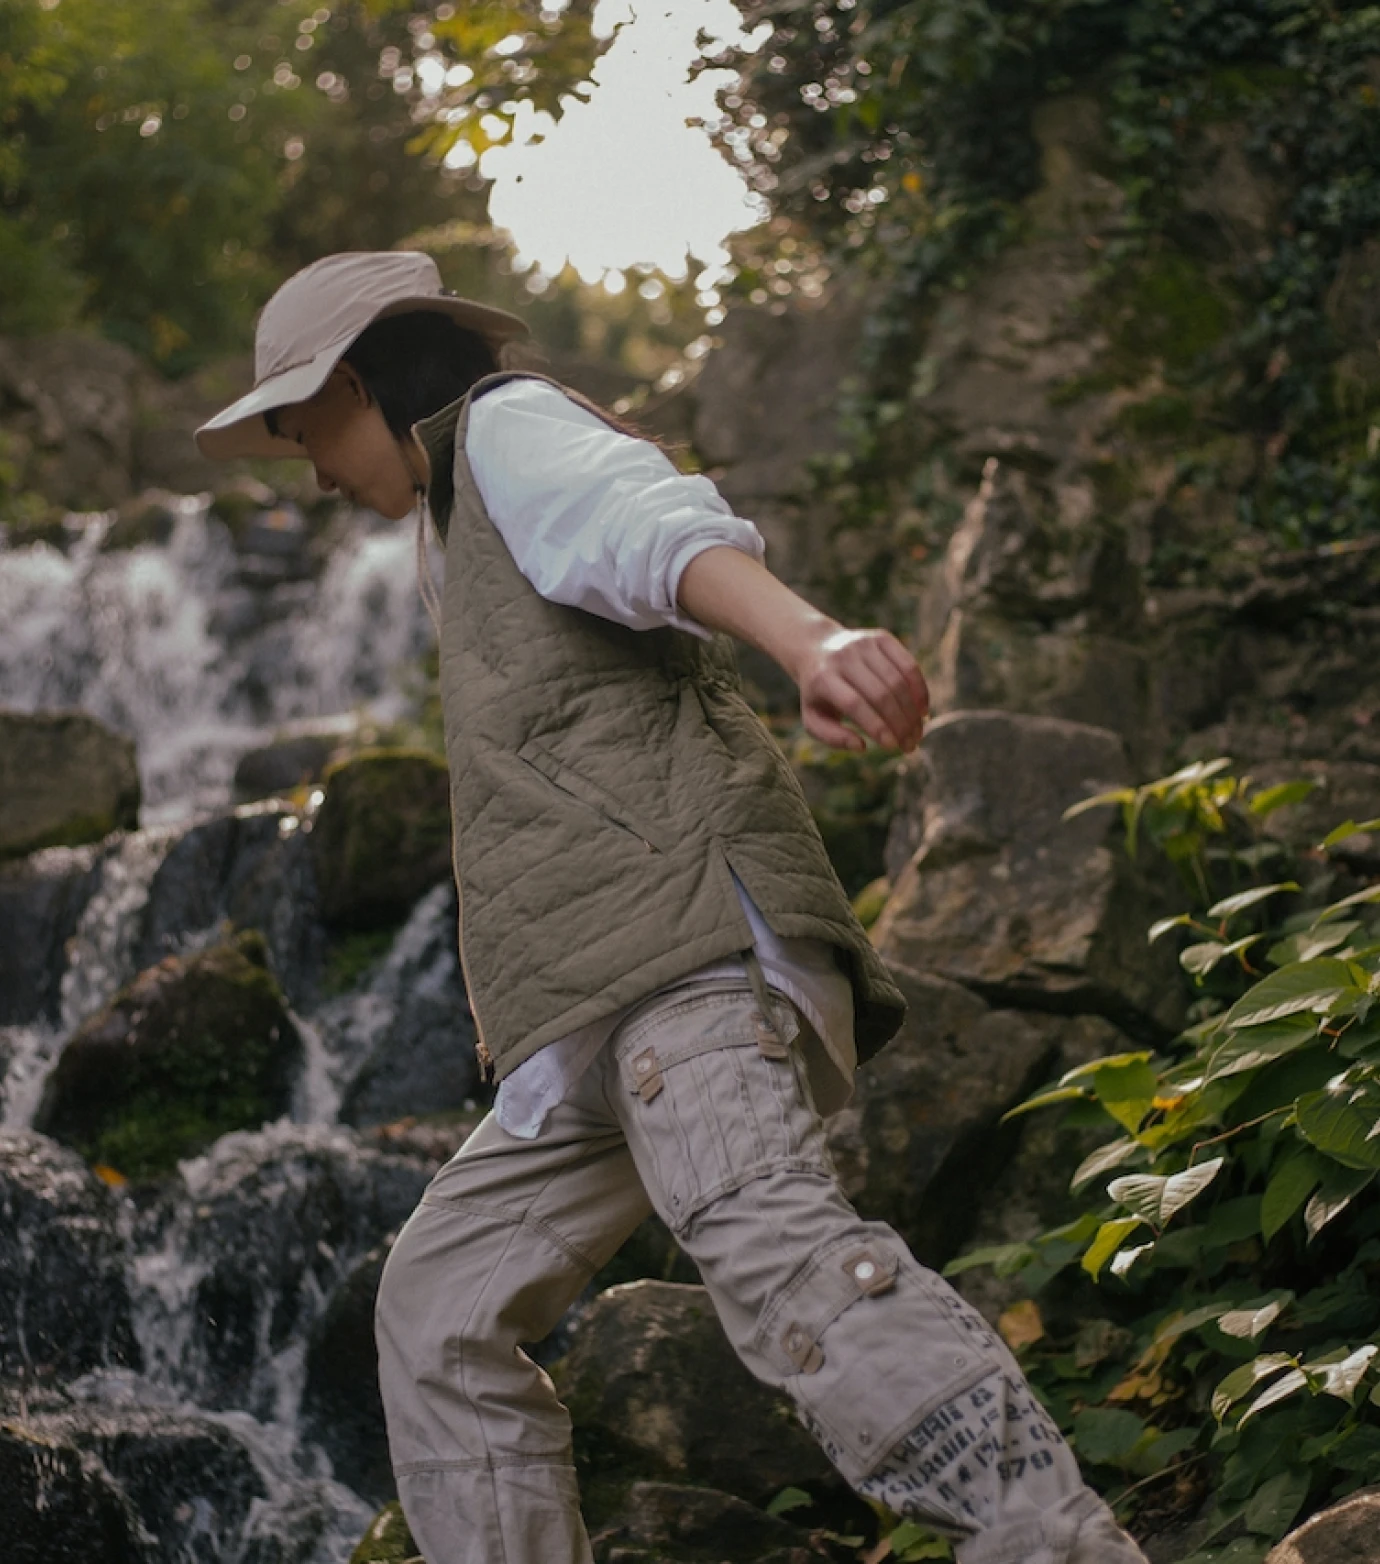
863 679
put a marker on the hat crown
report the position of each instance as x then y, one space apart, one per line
333 300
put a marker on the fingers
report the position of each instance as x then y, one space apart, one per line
869 679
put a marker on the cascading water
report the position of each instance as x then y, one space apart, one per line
221 1276
188 651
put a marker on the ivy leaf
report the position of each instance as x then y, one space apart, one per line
1126 1091
1230 905
1268 799
1346 829
1200 959
1287 1385
1277 1501
1310 987
1103 1160
1257 1045
1255 1318
1290 1185
1155 1199
1310 943
1241 1381
1340 1187
1331 1122
1107 1242
1342 1379
1356 899
1163 925
1106 1433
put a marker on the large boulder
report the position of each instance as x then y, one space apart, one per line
997 891
59 1507
191 1049
64 1294
673 1523
382 837
41 900
1343 1534
655 1389
922 1136
65 778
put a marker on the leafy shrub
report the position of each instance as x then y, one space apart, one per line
1225 1226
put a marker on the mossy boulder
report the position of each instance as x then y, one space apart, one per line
388 1541
65 778
382 837
191 1049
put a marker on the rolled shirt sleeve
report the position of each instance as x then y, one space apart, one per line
594 518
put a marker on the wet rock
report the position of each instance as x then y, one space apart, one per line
674 1523
1343 790
187 1483
995 890
413 1019
64 1297
246 1249
191 1049
655 1389
41 899
65 778
285 764
342 1410
252 869
60 1508
388 1540
922 1137
382 838
1343 1534
148 518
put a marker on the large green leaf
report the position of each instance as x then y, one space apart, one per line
1106 1433
1155 1199
1290 1185
1126 1091
1276 1502
1356 899
1256 1045
1309 987
1340 1186
1241 1381
1342 1377
1103 1160
1254 1318
1334 1124
1268 799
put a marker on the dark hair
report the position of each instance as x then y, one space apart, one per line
415 364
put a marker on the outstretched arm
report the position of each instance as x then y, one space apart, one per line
848 679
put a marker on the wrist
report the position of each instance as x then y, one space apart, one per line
803 639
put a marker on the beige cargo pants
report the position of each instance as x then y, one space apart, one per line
700 1111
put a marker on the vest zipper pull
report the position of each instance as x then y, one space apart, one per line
486 1060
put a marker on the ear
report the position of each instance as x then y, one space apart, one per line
358 389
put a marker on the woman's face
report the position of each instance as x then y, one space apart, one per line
344 436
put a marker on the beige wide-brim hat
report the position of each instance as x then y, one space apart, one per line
310 321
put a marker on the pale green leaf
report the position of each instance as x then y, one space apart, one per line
1108 1241
1254 1319
1093 1065
1241 1381
1103 1160
1268 799
1120 795
1200 959
1126 1091
1178 1324
1340 1187
1155 1199
1310 943
1356 899
1346 829
1342 1379
1230 905
1257 1045
1163 925
1124 1259
789 1499
1047 1099
1287 1385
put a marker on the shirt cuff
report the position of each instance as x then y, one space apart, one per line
737 533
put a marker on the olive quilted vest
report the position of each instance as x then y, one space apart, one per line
603 783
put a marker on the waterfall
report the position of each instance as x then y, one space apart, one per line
184 649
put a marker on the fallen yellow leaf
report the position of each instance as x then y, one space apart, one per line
1020 1325
109 1175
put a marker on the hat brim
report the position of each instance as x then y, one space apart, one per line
240 430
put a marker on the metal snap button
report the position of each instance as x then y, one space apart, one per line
864 1270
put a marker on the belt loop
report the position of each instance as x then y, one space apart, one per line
770 1043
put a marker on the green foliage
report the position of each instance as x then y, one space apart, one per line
1229 1225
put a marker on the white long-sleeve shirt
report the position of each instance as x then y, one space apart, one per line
601 521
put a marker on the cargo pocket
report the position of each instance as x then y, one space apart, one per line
866 1344
714 1098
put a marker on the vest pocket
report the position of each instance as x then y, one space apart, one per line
591 794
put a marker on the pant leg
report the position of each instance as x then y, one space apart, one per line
902 1382
505 1238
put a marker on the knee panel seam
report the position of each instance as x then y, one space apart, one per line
515 1217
